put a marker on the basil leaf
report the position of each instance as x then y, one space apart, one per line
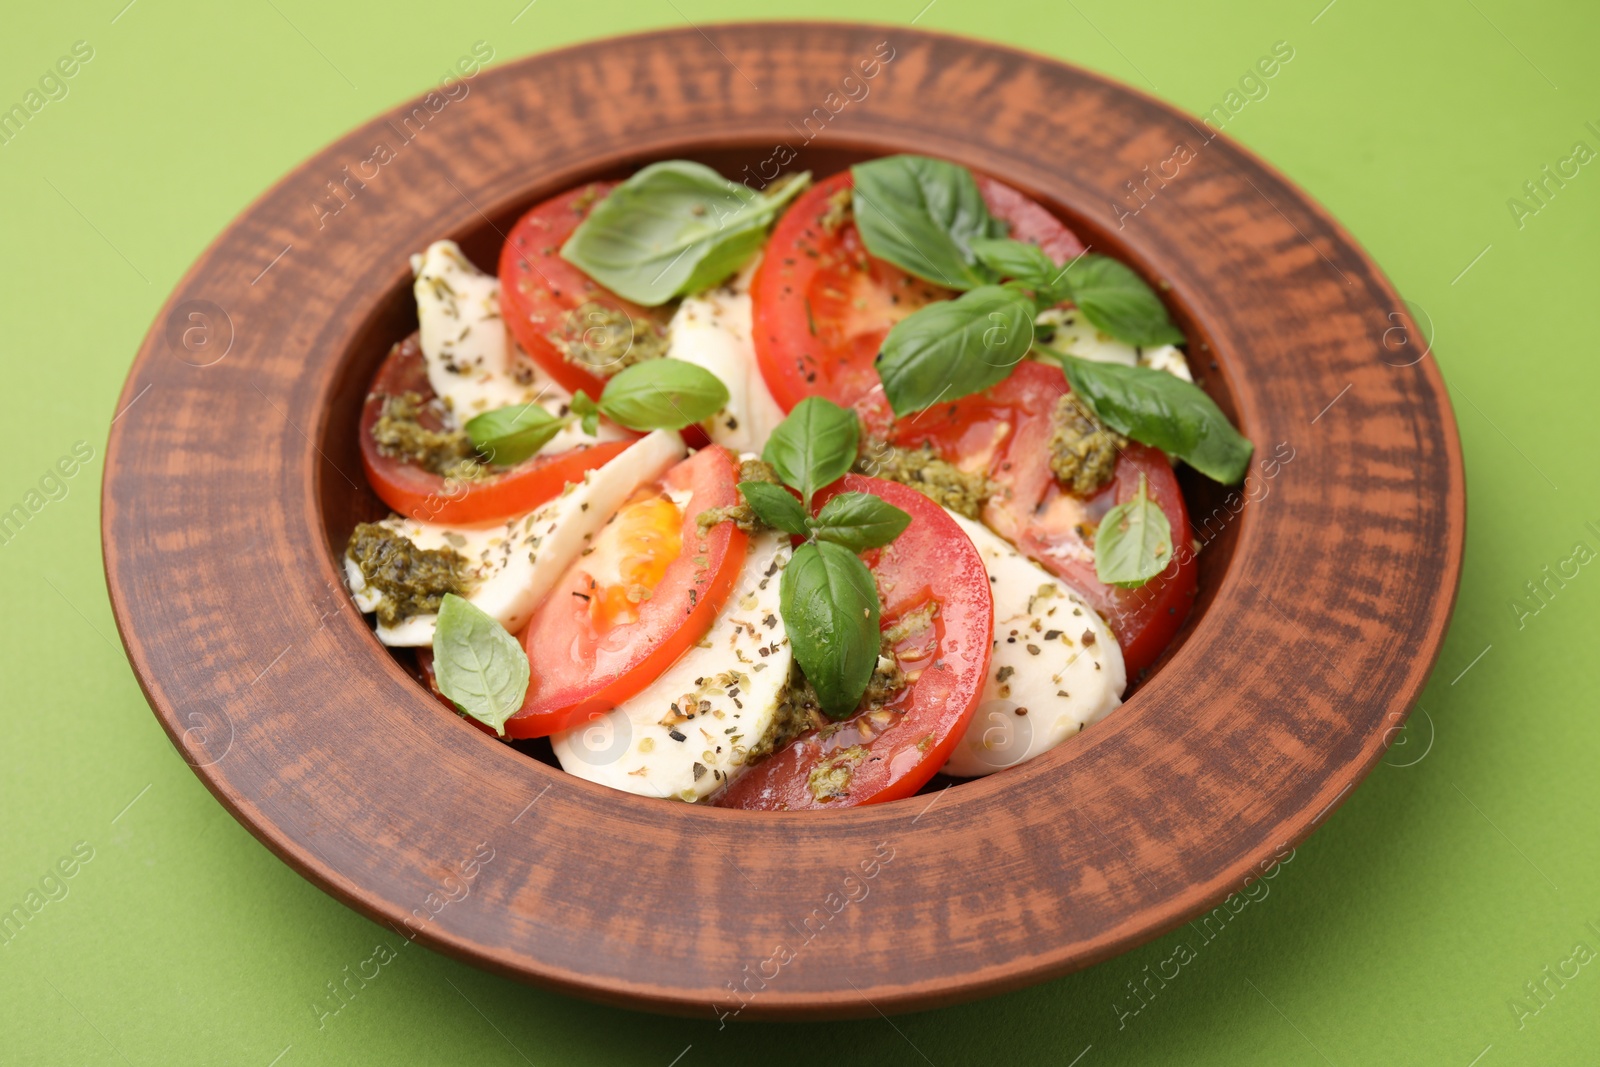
775 507
1133 543
479 666
955 347
672 228
662 394
859 521
814 446
1161 410
830 610
922 215
509 435
588 412
1117 300
1019 260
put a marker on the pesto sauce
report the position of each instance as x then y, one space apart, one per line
798 709
400 434
741 514
830 779
604 340
963 492
839 212
796 713
1083 452
413 580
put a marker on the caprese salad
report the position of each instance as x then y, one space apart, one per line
788 497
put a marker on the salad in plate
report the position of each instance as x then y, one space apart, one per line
784 498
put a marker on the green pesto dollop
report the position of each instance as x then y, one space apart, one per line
838 212
963 492
400 434
605 340
413 580
1083 452
741 514
830 779
797 712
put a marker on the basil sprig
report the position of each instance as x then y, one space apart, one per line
827 597
931 355
1134 541
480 667
658 394
674 228
928 217
1160 410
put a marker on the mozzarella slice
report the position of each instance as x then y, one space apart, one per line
712 330
1056 667
686 734
472 365
515 563
1076 335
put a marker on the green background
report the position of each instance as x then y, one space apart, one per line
1400 933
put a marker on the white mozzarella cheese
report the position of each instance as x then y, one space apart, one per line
472 364
686 734
712 330
1076 335
513 564
1056 667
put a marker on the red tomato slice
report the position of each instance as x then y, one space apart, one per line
821 305
538 289
893 752
593 646
422 495
1006 431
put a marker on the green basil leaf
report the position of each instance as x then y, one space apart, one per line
1018 260
726 256
830 610
1133 543
480 667
922 215
955 347
859 521
587 411
775 506
1117 300
814 446
662 394
673 228
1161 410
509 435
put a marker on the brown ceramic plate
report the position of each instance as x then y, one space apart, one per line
233 479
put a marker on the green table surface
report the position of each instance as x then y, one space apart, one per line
1442 916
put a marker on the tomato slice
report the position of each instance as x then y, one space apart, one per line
649 589
422 495
821 305
1006 432
539 290
891 753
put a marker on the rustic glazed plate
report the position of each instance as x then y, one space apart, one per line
233 480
